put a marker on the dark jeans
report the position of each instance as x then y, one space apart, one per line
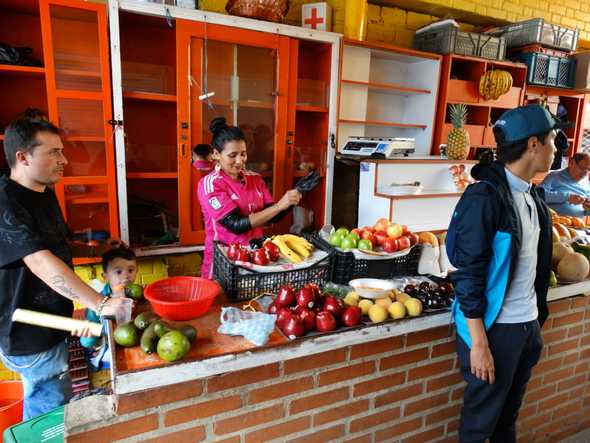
490 411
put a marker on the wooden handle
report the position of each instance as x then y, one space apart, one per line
55 321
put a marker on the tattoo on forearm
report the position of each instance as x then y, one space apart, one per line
59 283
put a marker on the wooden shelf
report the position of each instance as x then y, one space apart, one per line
33 71
431 194
152 175
86 260
77 73
307 108
80 138
388 88
87 199
153 96
255 104
381 123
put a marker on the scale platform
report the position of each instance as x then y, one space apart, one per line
379 147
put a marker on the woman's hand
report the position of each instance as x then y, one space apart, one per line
290 198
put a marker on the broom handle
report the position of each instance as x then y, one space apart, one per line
55 321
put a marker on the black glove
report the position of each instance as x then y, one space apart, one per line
308 182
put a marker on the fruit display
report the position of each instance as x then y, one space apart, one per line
494 84
152 334
383 237
308 310
461 177
292 248
571 255
458 142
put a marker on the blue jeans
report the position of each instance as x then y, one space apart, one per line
45 377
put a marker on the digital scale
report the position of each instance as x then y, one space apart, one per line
383 147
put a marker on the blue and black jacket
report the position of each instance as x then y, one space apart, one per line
483 243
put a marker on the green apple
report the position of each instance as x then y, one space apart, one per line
348 243
343 232
355 235
336 239
365 245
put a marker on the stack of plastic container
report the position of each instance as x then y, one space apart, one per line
545 48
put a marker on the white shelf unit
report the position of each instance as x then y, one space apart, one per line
388 92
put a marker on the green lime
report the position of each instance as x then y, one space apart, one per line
134 291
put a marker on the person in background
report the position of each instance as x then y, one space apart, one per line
119 267
36 270
236 203
201 157
500 241
567 191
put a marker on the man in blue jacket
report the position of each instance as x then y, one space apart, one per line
499 240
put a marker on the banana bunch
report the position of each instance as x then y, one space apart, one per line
494 83
292 247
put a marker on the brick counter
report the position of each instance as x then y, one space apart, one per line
405 387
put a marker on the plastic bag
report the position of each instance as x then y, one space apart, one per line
428 263
253 326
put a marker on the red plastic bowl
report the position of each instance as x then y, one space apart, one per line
181 298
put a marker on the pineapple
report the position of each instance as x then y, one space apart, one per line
458 143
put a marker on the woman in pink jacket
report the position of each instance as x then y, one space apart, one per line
236 203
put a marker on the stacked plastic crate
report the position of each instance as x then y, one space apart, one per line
545 48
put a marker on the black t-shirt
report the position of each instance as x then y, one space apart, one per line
29 222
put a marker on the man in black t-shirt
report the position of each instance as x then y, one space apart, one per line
36 265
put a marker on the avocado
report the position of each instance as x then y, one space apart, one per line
144 319
149 339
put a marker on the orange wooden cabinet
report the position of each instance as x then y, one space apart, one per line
278 87
460 84
73 89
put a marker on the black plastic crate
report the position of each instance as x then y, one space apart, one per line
450 40
346 267
239 285
548 70
537 30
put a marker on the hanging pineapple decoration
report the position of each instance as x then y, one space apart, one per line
458 142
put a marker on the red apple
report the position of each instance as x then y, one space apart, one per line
285 297
405 230
391 245
283 314
293 327
413 238
260 257
325 321
368 229
244 255
352 316
233 251
307 317
380 237
273 250
333 305
370 237
273 308
306 297
404 243
317 292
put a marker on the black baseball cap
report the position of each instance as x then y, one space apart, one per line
525 121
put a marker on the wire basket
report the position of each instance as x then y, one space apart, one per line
272 11
346 267
240 284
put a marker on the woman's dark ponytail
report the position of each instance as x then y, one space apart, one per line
223 133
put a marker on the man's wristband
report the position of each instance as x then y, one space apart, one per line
102 304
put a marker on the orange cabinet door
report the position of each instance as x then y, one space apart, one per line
76 53
247 74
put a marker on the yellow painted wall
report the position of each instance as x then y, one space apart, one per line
390 24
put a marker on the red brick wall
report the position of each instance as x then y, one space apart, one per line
405 388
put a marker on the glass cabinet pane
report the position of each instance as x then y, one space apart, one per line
76 49
243 80
85 158
81 118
